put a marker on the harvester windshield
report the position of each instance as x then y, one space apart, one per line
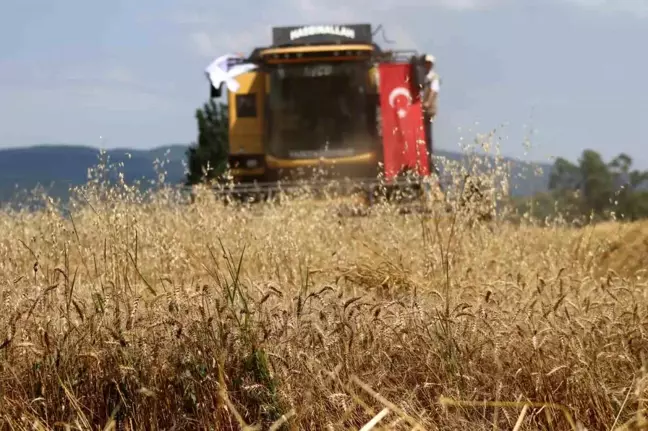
320 110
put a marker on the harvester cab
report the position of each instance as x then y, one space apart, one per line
323 101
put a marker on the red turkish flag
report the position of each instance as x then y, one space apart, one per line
402 122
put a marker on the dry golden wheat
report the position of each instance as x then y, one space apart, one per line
142 312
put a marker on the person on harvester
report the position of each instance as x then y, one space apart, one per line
431 85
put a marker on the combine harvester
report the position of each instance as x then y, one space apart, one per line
324 109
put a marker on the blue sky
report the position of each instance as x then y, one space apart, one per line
569 74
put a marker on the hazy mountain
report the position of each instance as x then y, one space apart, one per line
57 167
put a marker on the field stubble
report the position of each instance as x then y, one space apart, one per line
160 315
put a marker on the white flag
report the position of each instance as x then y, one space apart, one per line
225 68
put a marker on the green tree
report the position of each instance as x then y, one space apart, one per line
207 159
565 192
565 176
631 201
590 178
598 185
602 188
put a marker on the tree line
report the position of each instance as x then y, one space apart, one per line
592 189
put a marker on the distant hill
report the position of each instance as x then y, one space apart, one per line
58 167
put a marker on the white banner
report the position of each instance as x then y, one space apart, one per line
225 68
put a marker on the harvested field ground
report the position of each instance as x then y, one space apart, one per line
203 317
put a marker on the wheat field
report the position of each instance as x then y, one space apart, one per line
126 313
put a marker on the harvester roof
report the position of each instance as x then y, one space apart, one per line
307 43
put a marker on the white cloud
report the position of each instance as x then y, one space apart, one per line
87 85
102 96
119 74
202 44
211 32
635 7
363 9
114 98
